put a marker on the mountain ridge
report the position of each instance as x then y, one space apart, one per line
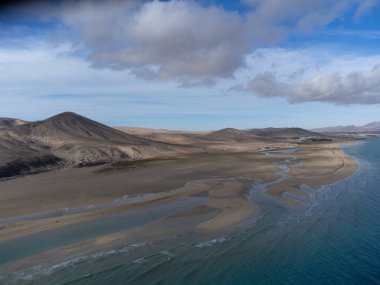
10 122
73 140
373 127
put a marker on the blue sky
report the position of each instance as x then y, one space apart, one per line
195 65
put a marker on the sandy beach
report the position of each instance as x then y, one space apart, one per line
225 180
316 165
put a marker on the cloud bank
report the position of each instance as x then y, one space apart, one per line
194 44
185 41
310 76
358 87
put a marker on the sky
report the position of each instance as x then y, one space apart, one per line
192 64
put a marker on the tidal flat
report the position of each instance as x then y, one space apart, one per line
69 213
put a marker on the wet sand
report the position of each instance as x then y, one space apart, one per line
315 166
103 184
224 179
230 199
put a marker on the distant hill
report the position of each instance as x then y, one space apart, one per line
73 128
368 128
169 136
283 133
229 134
71 139
254 135
10 122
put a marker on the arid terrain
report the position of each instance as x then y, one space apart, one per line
71 140
92 172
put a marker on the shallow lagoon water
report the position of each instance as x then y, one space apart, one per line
31 244
333 239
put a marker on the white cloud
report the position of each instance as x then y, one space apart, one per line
311 75
38 80
185 41
166 40
39 68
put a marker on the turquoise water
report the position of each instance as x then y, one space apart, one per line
334 239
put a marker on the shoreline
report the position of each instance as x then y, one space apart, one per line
285 186
329 164
227 203
146 196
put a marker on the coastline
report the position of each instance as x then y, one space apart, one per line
316 166
227 200
298 171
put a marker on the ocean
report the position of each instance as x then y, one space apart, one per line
333 239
